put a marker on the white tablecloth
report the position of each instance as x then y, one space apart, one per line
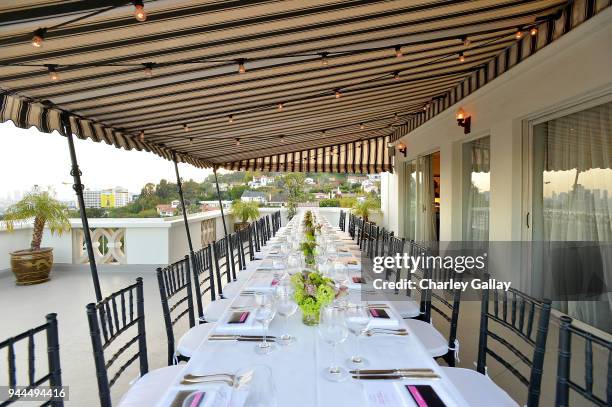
298 369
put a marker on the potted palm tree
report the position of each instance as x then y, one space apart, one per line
244 211
33 265
364 208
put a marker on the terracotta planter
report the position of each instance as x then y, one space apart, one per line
32 267
240 225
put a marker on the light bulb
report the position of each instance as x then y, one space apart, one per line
401 146
38 37
148 69
338 94
186 127
361 126
396 75
466 41
533 31
460 114
398 52
280 106
139 13
190 140
282 139
230 118
461 57
324 60
518 35
52 72
241 68
237 142
141 136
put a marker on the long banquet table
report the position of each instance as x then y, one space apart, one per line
298 369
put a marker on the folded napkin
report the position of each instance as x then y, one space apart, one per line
262 282
248 327
392 322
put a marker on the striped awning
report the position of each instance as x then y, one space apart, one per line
327 84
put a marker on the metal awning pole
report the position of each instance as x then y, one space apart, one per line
220 203
180 191
78 188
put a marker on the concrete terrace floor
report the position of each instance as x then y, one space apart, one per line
23 307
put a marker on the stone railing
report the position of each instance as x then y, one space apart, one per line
125 241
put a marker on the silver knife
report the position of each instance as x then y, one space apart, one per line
390 371
397 377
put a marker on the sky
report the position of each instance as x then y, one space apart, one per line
29 157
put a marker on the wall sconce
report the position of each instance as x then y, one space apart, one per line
464 121
402 148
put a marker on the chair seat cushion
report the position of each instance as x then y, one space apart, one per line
231 290
478 389
150 388
429 336
214 310
407 309
190 341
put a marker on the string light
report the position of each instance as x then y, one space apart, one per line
398 51
38 37
139 13
241 68
52 72
533 31
324 60
237 142
323 132
461 57
466 41
141 136
148 69
190 140
186 127
396 75
282 139
518 35
280 106
338 93
361 126
230 118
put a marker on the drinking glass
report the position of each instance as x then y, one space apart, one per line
333 330
260 389
357 320
286 307
264 314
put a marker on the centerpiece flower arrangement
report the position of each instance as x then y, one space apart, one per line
311 289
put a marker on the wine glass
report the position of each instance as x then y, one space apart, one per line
333 330
286 307
264 314
357 320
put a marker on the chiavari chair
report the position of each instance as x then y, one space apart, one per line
52 378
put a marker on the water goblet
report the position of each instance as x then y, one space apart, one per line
333 330
357 321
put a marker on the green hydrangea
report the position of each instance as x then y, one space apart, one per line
325 294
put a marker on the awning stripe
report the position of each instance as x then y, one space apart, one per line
365 156
572 15
25 114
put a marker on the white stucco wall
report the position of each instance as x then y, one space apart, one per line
573 69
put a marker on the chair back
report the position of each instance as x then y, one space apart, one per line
519 319
268 230
341 220
223 263
247 244
351 225
203 277
564 380
236 254
53 377
175 292
384 249
109 320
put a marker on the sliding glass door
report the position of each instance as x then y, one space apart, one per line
422 189
571 201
